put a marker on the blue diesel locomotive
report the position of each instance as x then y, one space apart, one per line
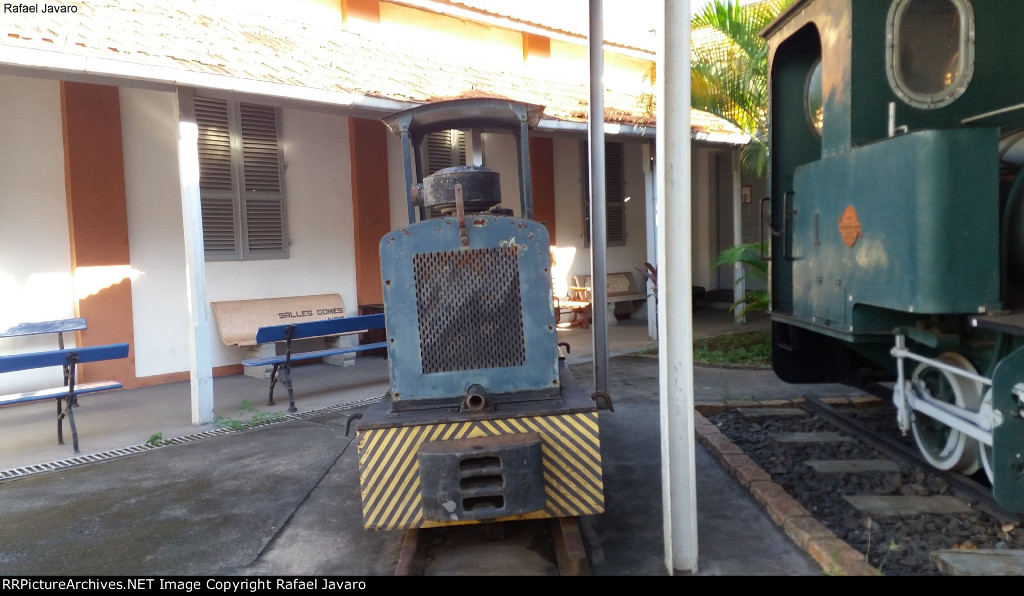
483 422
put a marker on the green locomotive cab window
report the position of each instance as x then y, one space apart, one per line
930 50
814 105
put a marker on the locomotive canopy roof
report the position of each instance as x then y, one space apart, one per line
481 113
462 114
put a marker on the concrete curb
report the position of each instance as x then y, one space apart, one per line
835 556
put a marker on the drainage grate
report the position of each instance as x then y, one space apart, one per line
22 472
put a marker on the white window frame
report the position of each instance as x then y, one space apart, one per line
241 181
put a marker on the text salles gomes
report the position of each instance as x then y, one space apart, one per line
216 585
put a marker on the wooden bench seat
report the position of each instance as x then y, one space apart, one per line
622 293
281 364
238 322
66 396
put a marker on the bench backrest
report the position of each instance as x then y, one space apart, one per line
239 320
42 327
321 328
15 362
618 283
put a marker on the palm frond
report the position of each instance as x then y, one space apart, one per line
754 301
748 254
729 69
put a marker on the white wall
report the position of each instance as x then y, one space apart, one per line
149 135
35 263
322 260
317 179
569 211
500 154
35 250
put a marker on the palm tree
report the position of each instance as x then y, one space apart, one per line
729 69
729 78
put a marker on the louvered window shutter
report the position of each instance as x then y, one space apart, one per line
445 148
614 194
216 180
263 192
240 181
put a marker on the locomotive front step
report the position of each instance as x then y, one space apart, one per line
481 478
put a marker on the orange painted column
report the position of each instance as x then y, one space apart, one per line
371 203
98 224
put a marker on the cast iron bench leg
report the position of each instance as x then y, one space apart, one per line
71 423
60 420
71 400
288 383
273 381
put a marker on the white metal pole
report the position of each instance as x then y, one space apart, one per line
200 353
675 312
598 215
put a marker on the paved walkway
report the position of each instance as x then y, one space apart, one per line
283 499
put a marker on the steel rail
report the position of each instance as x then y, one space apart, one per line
976 493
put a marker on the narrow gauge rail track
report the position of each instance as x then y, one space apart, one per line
548 547
896 545
969 488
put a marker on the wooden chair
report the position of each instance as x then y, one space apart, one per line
568 299
576 302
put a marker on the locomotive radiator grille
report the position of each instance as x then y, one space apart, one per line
470 309
390 475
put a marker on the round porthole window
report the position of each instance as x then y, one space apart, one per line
930 50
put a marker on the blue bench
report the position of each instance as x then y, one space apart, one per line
60 327
67 395
282 363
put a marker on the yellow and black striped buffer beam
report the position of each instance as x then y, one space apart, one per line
389 470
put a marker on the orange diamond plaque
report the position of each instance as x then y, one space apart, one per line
849 226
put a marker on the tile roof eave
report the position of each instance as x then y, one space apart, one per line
124 72
130 73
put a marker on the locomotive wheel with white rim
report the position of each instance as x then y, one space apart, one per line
942 446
